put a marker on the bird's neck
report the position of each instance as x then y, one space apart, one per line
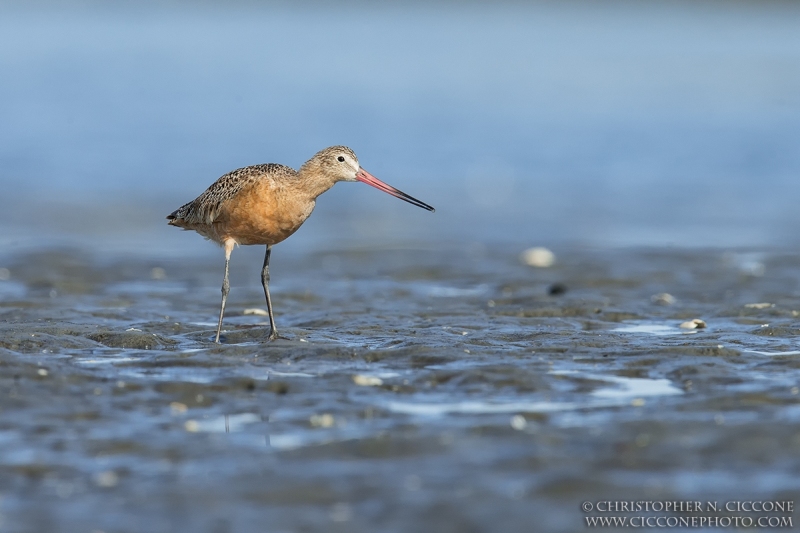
313 181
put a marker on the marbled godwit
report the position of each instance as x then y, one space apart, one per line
265 204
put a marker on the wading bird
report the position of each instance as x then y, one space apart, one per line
265 204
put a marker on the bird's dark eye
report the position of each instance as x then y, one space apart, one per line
340 159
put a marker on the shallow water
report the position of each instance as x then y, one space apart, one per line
418 389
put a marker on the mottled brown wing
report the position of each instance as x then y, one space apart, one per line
205 208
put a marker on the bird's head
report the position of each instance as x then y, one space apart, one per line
340 163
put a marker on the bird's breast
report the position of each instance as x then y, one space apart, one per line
264 214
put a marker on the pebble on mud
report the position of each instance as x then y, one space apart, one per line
518 422
255 311
761 305
367 381
158 273
325 420
557 289
663 298
5 274
107 479
178 408
538 256
693 324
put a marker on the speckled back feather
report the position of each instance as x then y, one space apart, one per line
205 208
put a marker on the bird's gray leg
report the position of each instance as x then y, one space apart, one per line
273 334
226 286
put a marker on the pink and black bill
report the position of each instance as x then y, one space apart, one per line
364 176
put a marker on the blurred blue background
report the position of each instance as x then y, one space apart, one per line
601 124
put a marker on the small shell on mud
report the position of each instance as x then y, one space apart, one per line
762 305
255 311
538 256
367 381
106 479
518 422
694 324
178 408
663 298
325 420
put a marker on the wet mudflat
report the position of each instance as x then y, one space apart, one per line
419 389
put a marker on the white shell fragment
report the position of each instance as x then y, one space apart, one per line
694 324
538 256
367 381
762 305
255 311
518 422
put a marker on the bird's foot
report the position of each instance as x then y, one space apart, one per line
273 335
